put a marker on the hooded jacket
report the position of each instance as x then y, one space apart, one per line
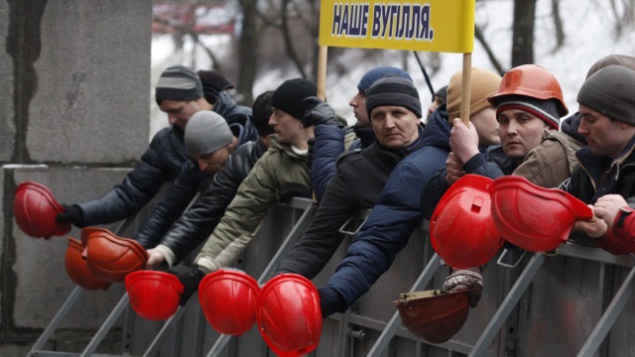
190 181
390 224
278 168
356 185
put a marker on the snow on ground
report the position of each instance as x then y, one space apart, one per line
588 27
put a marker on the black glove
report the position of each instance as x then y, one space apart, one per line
464 279
72 214
294 190
190 281
331 302
319 113
309 154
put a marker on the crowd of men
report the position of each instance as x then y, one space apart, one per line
228 164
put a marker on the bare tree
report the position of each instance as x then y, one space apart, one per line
247 50
523 32
624 13
557 22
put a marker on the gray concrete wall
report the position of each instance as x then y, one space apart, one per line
74 116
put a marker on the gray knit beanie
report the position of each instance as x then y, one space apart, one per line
610 92
180 84
206 132
397 91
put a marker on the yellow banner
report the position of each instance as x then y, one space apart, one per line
431 26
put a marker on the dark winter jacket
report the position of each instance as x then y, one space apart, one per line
200 219
232 112
356 185
161 163
190 181
392 221
329 144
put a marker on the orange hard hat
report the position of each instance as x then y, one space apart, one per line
462 231
35 209
154 295
111 257
77 269
228 298
289 315
533 81
434 315
534 218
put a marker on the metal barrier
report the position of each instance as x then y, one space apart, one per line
574 301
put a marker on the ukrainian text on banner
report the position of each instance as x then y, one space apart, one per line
430 26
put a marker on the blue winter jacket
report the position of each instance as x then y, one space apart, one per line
328 147
392 221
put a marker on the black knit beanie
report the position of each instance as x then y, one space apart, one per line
546 110
397 91
261 113
180 84
290 94
610 92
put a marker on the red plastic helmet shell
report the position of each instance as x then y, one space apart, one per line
77 269
154 295
533 81
534 218
228 298
289 315
35 209
111 257
434 315
462 231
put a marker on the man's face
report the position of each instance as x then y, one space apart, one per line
433 106
395 127
358 102
604 136
519 132
179 112
486 126
214 161
285 125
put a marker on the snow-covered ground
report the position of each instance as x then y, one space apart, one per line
588 27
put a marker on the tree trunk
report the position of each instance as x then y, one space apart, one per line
523 32
248 52
557 22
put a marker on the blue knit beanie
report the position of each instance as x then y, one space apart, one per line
374 74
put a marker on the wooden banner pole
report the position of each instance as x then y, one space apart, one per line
465 88
321 74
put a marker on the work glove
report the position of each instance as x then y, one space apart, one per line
319 113
190 280
331 301
72 214
464 279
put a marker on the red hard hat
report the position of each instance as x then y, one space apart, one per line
35 209
534 218
111 257
434 315
533 81
462 231
77 269
228 298
154 295
289 316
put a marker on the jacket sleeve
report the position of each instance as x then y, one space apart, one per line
255 196
134 192
385 233
621 238
545 165
328 146
171 206
200 219
322 238
479 165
